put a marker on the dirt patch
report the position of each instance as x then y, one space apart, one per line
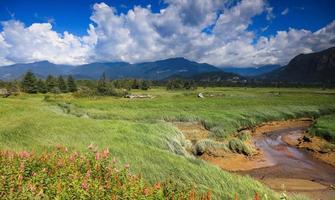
279 125
193 131
237 162
293 184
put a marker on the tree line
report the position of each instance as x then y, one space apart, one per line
30 84
61 84
102 87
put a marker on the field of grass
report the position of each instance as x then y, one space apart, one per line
325 127
139 132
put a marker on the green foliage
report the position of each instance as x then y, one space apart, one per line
13 87
71 83
177 84
29 83
51 83
41 87
84 91
145 85
136 130
62 85
60 174
325 128
102 87
244 135
209 146
237 146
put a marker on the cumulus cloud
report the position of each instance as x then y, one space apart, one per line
39 42
177 30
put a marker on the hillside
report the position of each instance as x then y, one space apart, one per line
155 70
316 67
211 77
251 71
41 69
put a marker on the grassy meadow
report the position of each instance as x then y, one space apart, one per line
140 132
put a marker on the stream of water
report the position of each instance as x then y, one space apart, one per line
292 163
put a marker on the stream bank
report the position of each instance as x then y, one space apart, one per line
287 158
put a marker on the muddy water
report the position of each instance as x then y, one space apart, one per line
292 169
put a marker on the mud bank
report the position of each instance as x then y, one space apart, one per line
287 158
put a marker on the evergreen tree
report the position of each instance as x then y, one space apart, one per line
102 85
29 83
71 84
51 83
41 87
145 85
62 85
135 84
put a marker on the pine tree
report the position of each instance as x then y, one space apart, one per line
62 85
135 84
41 87
145 85
102 87
71 84
51 83
29 83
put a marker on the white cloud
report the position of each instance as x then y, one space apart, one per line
40 42
177 30
285 11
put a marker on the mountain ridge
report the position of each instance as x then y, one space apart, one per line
155 70
317 67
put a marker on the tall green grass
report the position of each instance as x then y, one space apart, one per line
138 131
325 127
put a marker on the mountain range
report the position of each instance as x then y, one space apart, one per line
316 67
156 70
251 71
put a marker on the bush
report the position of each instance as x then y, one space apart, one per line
60 174
84 92
237 146
208 145
244 135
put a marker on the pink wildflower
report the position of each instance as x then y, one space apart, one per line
24 154
97 156
84 185
105 153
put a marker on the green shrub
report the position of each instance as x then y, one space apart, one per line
237 146
244 135
208 145
63 175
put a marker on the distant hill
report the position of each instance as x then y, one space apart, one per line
165 68
41 69
156 70
316 67
211 77
113 70
251 71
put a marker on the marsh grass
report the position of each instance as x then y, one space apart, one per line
136 131
325 127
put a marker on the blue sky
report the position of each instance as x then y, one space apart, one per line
67 15
74 17
206 31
